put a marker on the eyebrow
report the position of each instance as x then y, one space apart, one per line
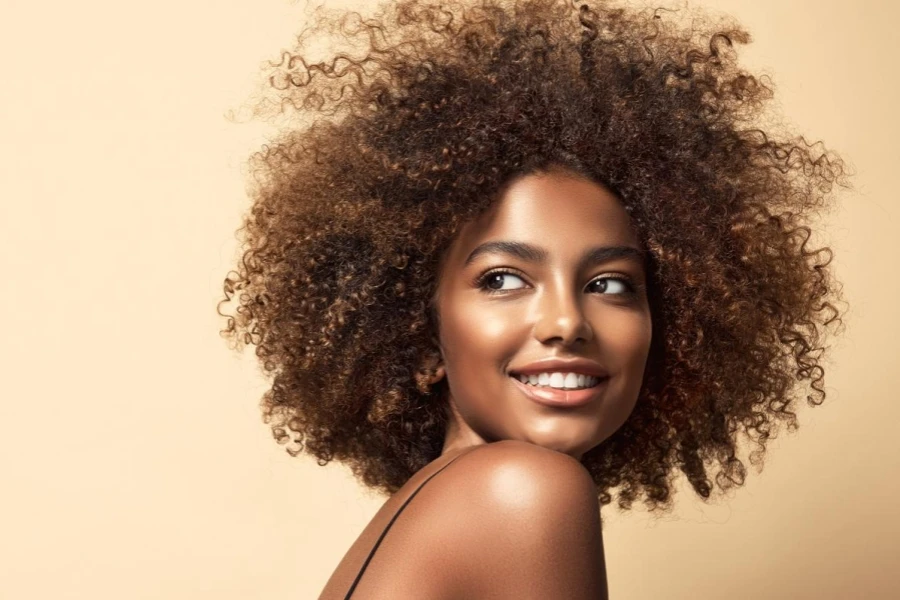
536 254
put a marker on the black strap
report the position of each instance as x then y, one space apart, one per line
384 533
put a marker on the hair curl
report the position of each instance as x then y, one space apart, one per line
413 136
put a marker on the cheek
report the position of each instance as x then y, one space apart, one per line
629 341
494 328
478 336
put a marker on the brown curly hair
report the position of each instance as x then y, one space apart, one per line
410 133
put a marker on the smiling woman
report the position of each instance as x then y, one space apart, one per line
571 300
524 255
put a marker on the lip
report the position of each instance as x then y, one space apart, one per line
561 398
562 365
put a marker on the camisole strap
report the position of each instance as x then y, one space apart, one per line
384 533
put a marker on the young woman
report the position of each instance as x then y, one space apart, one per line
524 253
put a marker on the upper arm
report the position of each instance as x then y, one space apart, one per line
521 521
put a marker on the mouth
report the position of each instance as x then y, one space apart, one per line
548 395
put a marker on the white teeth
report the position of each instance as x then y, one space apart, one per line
563 381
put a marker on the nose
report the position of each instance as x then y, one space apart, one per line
561 317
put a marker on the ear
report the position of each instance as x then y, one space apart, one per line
430 371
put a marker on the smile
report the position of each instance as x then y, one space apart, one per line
561 397
560 381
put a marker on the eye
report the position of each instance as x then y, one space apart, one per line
496 281
617 285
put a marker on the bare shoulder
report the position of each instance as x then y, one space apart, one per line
513 474
518 521
511 456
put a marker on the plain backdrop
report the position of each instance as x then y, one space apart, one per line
133 460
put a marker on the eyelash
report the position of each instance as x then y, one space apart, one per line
481 282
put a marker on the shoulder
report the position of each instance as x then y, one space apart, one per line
519 473
520 519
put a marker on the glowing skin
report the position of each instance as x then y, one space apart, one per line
555 307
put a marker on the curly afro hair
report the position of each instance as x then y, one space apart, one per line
410 132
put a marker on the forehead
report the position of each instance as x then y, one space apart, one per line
556 210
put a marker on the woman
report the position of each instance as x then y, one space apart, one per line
525 253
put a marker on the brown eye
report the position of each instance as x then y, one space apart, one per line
618 285
500 281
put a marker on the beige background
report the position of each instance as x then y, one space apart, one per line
134 462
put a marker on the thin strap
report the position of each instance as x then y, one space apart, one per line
384 533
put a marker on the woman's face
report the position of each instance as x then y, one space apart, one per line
552 271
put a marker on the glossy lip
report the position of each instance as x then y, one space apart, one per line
561 398
562 365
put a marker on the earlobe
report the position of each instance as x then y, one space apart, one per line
439 373
429 373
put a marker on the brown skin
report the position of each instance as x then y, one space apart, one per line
472 532
537 310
